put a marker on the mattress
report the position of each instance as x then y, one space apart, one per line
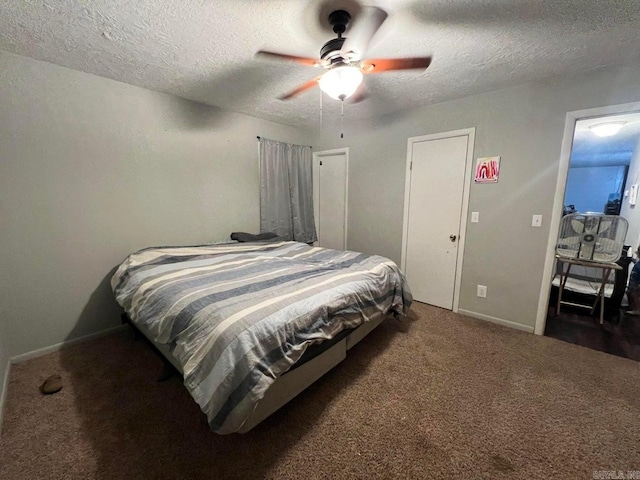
236 317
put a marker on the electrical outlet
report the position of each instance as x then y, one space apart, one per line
536 221
482 291
475 217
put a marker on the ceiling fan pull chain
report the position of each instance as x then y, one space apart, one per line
342 119
321 143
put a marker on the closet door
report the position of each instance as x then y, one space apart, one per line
433 217
330 197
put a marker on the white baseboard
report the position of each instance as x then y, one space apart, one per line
499 321
3 394
67 343
43 351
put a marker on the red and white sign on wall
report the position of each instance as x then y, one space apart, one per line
487 169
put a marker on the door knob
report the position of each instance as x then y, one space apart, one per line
452 237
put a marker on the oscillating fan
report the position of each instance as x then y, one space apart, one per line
592 237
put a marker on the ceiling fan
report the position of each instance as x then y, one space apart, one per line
343 57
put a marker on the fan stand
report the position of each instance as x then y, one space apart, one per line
606 268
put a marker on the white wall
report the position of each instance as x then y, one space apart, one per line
524 125
632 212
93 169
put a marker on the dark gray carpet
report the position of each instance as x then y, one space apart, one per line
442 396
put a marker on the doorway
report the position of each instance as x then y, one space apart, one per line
597 176
330 194
437 186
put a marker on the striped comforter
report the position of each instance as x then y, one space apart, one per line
237 316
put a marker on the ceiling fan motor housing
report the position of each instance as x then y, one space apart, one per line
331 49
338 19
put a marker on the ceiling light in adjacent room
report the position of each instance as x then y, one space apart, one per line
341 82
606 129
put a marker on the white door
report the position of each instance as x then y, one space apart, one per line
330 197
434 207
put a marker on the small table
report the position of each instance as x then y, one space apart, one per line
606 268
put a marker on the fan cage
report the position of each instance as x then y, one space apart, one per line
592 237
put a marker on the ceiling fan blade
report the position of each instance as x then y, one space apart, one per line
378 65
364 28
310 62
302 88
362 93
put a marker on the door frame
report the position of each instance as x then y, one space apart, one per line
558 200
317 156
471 134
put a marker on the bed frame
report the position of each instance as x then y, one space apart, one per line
288 385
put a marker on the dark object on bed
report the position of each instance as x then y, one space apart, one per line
251 237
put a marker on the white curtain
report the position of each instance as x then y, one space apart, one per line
286 191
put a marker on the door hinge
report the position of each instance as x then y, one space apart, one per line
320 162
411 165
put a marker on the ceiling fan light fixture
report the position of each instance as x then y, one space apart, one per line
341 82
607 129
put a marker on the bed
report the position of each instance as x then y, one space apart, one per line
250 325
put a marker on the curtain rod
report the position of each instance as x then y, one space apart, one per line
258 137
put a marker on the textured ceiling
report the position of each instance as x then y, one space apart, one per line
204 49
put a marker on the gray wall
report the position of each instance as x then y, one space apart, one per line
93 169
524 125
4 365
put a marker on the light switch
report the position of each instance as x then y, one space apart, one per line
475 217
536 221
633 194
